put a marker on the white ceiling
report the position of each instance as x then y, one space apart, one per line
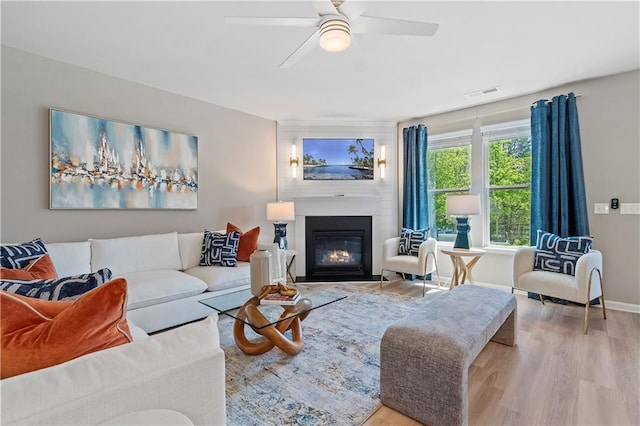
186 48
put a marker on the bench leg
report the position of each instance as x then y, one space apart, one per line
508 331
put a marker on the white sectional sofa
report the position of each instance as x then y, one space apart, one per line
180 370
163 274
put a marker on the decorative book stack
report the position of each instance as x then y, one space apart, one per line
280 299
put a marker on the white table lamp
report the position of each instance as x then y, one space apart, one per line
278 213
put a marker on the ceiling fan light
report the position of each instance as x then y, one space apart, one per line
335 35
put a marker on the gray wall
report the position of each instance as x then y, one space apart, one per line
609 112
236 154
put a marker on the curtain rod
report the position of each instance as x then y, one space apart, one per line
488 114
547 101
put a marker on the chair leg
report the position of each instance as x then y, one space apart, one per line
541 298
381 277
586 307
604 309
424 284
435 263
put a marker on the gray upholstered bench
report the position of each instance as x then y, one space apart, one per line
425 357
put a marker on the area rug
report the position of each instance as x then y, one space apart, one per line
333 381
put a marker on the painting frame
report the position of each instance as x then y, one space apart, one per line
98 163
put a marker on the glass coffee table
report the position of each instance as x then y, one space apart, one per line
269 321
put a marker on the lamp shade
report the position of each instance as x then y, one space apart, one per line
463 205
281 211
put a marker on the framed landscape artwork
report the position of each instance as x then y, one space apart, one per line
98 163
337 159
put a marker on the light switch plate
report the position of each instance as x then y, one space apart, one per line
602 208
629 208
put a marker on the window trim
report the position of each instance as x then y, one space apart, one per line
509 129
447 140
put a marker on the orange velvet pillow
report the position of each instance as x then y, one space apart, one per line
40 269
38 333
248 241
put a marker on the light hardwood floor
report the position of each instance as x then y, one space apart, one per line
556 375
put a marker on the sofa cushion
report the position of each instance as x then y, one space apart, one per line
136 254
17 256
70 258
40 269
190 246
248 241
148 288
219 249
66 288
37 334
220 277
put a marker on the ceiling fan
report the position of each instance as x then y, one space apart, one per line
336 23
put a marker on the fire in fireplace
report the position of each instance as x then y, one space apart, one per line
338 248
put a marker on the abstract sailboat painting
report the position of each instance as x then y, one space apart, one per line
103 164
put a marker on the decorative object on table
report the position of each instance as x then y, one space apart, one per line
98 163
463 206
279 294
260 271
280 212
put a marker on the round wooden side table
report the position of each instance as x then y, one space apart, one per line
462 270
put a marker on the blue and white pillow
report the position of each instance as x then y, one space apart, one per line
67 288
556 254
219 249
411 239
17 256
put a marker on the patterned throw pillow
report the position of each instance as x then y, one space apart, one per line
410 241
67 288
219 249
17 256
556 254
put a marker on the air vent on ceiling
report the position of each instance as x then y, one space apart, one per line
483 92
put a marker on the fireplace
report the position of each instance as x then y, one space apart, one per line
338 248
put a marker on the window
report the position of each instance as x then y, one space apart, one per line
501 174
449 162
508 183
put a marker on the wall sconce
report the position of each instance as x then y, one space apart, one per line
293 162
382 162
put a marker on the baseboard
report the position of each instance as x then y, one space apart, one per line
611 304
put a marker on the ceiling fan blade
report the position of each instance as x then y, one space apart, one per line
281 22
302 50
357 57
352 9
372 25
324 7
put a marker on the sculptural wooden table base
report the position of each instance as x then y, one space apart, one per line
271 332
